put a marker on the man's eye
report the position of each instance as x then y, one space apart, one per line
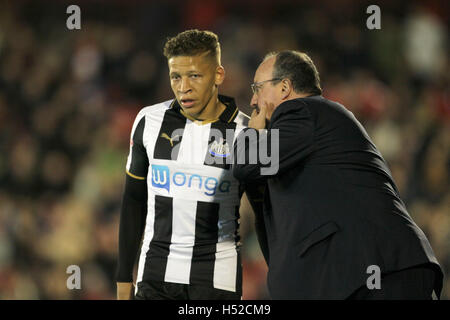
195 76
175 77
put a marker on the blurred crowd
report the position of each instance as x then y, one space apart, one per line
68 99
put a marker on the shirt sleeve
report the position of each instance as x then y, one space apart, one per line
137 162
288 141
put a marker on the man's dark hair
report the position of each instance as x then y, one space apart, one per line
299 68
191 43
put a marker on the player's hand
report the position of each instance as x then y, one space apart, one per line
125 291
258 117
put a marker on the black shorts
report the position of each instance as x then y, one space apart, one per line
156 290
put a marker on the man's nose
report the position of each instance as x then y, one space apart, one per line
185 85
254 101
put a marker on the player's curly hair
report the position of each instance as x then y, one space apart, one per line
191 43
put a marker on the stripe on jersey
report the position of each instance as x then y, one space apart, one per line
158 252
167 141
194 144
236 221
206 236
213 157
182 242
239 272
238 245
227 257
226 267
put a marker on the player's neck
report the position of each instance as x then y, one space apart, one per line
212 111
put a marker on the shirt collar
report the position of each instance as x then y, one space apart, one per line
228 115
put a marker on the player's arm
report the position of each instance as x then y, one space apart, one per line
125 290
132 222
133 211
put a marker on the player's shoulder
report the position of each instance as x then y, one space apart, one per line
156 108
242 119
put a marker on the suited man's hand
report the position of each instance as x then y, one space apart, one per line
258 117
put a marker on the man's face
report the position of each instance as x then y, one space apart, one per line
268 93
194 80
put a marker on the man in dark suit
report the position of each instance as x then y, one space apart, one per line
332 214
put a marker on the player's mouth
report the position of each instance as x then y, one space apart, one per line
187 103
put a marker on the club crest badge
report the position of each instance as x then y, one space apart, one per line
219 149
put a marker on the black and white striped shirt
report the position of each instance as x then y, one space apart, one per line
191 234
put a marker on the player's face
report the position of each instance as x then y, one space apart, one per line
194 81
268 93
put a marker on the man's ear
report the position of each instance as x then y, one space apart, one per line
220 75
286 88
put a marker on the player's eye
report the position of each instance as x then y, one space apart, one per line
195 76
175 77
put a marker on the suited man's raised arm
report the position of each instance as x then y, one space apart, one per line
290 135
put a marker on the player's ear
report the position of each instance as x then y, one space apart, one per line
220 75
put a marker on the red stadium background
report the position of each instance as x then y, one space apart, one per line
68 99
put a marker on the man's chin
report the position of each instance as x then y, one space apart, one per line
191 112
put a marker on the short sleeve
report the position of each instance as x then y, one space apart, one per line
137 162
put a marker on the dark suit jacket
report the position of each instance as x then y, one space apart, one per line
332 209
